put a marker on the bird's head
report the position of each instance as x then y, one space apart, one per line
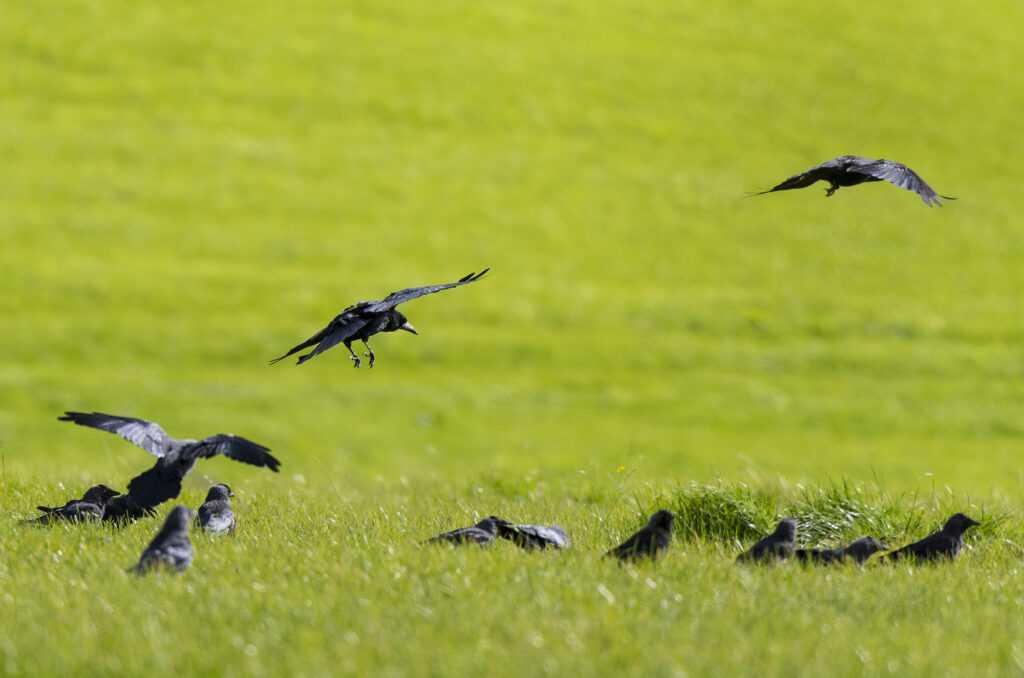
662 520
179 518
491 524
219 491
786 529
864 547
959 522
101 493
400 322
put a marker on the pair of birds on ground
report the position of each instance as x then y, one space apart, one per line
652 540
171 548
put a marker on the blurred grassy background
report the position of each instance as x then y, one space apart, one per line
190 189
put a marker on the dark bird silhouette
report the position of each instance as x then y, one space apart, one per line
171 547
534 536
778 545
858 551
215 515
91 507
850 170
946 543
124 509
482 533
650 542
367 318
175 458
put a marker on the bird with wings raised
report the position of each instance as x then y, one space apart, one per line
175 457
850 170
365 319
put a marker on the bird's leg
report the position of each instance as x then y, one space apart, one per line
370 354
833 189
354 356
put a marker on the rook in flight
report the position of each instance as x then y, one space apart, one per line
171 547
858 551
92 506
367 318
778 545
946 543
650 542
850 170
215 515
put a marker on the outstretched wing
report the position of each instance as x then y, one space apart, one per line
402 296
900 175
344 326
145 434
234 447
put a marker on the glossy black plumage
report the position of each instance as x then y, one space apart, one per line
534 536
649 542
91 507
367 318
482 533
942 545
778 545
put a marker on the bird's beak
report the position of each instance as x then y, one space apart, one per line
408 328
883 547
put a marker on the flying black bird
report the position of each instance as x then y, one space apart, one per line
850 170
171 547
778 545
534 536
176 457
215 515
859 551
651 541
482 533
91 506
367 318
946 543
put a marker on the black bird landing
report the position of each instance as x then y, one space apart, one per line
778 545
91 506
171 548
176 457
858 551
215 515
482 533
534 536
367 318
941 545
650 542
850 170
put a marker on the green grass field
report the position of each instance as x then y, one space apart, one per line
189 189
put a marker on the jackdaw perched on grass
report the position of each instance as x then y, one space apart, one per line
367 318
850 170
175 458
91 507
534 536
778 545
171 547
215 515
482 533
941 545
650 542
858 552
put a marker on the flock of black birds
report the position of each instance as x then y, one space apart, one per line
171 547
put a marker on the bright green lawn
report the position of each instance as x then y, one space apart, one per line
190 188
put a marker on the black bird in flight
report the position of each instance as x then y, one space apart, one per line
175 457
859 551
778 545
534 536
850 170
92 506
215 515
946 543
650 542
482 533
171 548
367 318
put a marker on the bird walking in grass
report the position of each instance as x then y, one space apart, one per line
777 546
215 515
482 533
850 170
367 318
534 536
650 541
858 552
91 507
942 545
170 548
175 458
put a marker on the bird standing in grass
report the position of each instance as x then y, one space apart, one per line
858 551
482 533
215 515
778 545
171 547
650 542
92 506
942 545
850 170
367 318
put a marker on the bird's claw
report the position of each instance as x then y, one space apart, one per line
357 362
372 358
